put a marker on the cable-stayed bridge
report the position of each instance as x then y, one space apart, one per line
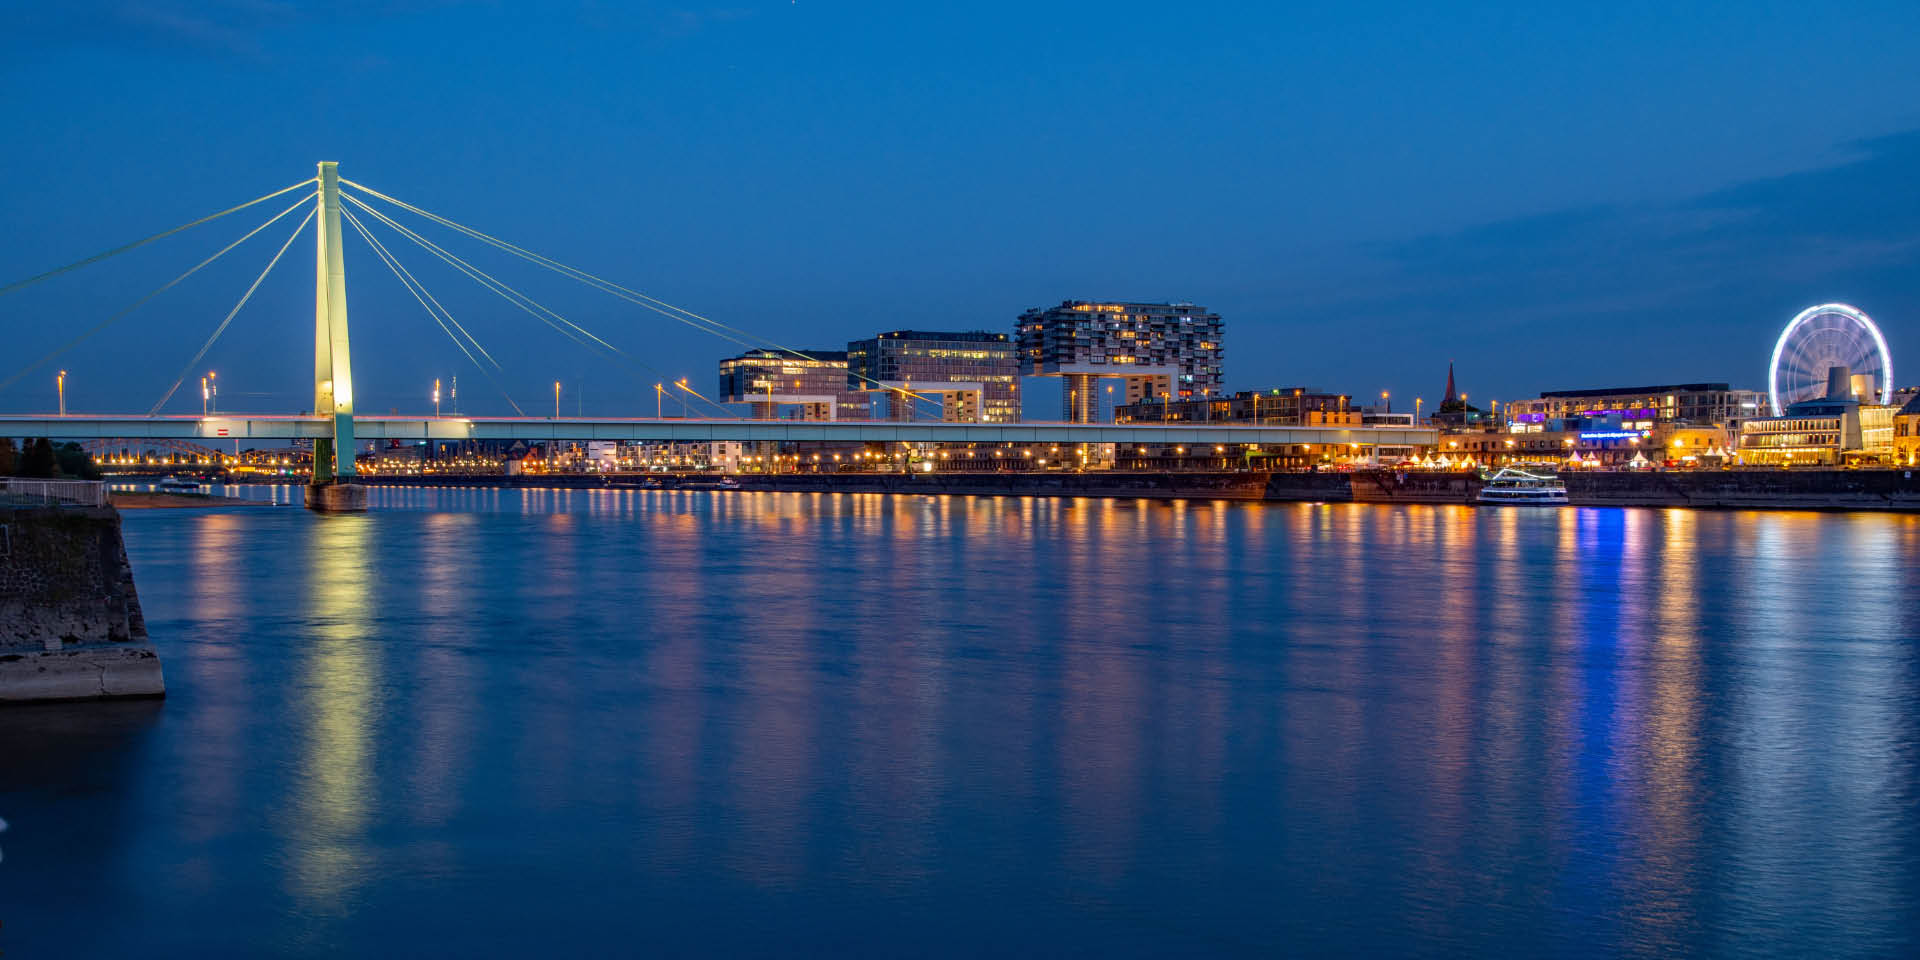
332 203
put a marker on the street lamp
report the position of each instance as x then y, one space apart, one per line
686 410
60 386
1386 401
203 396
213 391
659 398
556 399
436 398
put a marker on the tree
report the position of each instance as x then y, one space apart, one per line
7 457
38 459
74 461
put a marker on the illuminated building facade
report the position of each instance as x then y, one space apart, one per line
1825 431
1906 433
1647 406
1169 351
816 382
1297 406
973 376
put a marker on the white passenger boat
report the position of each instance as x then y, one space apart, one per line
1518 487
180 485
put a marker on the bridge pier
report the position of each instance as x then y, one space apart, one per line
337 497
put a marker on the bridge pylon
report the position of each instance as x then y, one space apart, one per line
332 487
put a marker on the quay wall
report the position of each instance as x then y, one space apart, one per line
1197 485
70 621
1742 489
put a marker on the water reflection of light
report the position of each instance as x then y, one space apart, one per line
329 858
443 718
217 594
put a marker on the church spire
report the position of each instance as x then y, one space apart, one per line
1451 395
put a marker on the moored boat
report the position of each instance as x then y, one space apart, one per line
1516 487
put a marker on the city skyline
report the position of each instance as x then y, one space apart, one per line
1676 265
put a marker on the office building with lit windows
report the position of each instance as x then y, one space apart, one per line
1687 402
1169 351
960 376
1824 431
1291 406
813 381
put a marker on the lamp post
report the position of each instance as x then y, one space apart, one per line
1386 400
556 399
213 391
60 386
436 398
203 396
1417 401
659 399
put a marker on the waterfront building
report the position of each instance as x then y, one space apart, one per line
1644 407
1168 351
670 457
1906 431
813 380
1591 442
1294 406
973 376
1824 431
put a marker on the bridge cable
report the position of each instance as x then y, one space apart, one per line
96 328
407 280
681 314
222 328
567 328
528 304
472 270
96 258
410 281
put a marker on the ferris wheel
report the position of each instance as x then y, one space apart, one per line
1829 335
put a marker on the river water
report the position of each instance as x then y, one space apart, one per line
573 723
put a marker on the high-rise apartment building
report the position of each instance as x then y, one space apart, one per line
1165 351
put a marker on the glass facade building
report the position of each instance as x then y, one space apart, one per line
816 381
982 363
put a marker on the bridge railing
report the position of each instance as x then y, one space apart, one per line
19 491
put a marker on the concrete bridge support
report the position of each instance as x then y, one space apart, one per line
332 488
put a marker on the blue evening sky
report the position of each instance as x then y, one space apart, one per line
1555 195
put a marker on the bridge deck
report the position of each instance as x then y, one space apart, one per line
281 428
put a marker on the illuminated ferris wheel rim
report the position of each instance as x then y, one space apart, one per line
1850 312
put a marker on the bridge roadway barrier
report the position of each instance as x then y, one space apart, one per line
70 621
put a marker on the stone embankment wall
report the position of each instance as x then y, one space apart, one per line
70 621
1217 486
1744 489
1039 483
1753 489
